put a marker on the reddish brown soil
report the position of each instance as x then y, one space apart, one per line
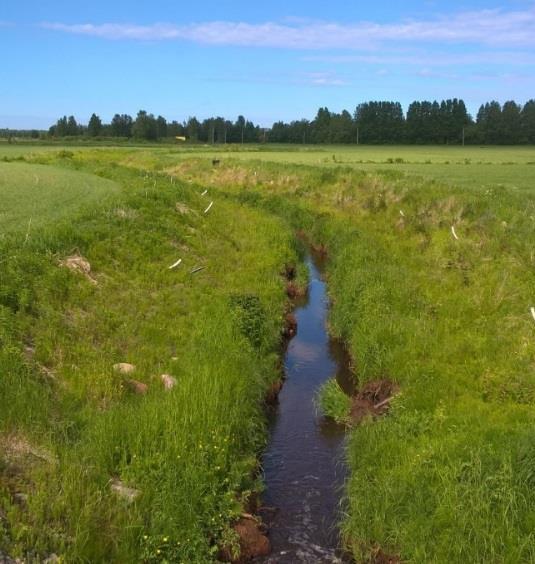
380 557
136 387
273 392
294 291
372 399
253 542
290 326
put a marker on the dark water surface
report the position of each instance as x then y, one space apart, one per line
303 465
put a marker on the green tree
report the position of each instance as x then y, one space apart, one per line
94 127
60 129
193 129
511 123
145 126
72 127
161 126
121 125
528 121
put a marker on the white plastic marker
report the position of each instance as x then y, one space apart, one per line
209 206
533 312
401 213
453 232
204 193
175 264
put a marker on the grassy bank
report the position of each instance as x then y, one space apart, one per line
75 433
447 476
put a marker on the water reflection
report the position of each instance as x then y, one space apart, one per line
303 464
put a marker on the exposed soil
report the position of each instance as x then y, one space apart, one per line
273 392
290 326
373 399
294 291
253 541
380 557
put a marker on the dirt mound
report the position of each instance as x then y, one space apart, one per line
372 399
253 542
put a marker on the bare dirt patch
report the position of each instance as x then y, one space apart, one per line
253 542
373 399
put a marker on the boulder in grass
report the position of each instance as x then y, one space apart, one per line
137 387
168 381
124 368
77 263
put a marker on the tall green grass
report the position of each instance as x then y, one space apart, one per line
446 476
191 451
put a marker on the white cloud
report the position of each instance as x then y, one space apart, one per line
435 58
485 27
323 79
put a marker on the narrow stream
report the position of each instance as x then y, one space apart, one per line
303 464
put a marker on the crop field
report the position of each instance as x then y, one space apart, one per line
34 195
155 257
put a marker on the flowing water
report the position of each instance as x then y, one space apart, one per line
304 465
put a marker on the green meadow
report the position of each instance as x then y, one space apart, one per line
431 276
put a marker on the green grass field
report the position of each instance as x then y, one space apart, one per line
35 195
446 476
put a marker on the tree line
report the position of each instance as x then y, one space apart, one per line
375 122
445 122
147 127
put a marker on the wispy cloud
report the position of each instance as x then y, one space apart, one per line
505 28
323 79
436 58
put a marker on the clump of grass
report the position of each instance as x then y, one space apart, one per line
334 402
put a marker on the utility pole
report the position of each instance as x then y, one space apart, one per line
463 136
242 128
357 135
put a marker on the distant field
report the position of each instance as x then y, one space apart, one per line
461 166
44 194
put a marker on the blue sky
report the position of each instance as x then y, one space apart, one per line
267 61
